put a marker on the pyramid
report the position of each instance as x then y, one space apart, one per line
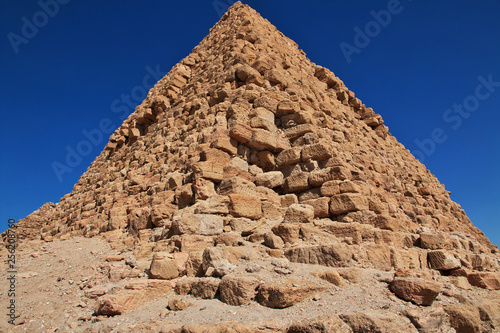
246 146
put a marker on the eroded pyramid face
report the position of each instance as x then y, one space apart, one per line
246 126
260 177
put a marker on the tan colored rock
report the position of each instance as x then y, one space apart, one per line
238 289
288 199
489 312
327 324
215 204
241 132
319 151
226 144
135 293
426 320
460 282
264 140
348 202
273 241
349 187
297 183
284 293
203 189
486 280
270 179
190 243
442 260
379 255
330 188
205 288
331 276
242 206
234 171
201 224
289 232
163 267
377 321
299 213
321 206
226 327
293 133
464 318
334 255
286 107
289 156
183 286
209 170
418 291
216 156
433 241
178 304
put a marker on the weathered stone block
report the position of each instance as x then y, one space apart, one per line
348 202
297 183
243 206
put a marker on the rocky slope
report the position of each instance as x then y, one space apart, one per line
253 178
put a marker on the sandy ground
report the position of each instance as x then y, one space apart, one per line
52 277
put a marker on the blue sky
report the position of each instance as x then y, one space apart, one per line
430 68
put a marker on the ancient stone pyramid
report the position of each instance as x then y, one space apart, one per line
246 142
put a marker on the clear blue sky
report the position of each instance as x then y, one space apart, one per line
73 65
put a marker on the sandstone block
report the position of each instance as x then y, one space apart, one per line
297 183
288 199
426 320
203 189
349 187
378 321
464 318
201 224
347 202
287 292
293 133
432 241
442 260
325 324
320 176
286 107
183 286
226 144
163 267
135 294
243 206
289 156
205 288
216 204
330 188
319 152
215 155
489 311
299 213
486 280
334 255
289 232
191 243
331 276
321 206
264 140
178 304
270 179
273 241
238 289
233 171
209 170
418 291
